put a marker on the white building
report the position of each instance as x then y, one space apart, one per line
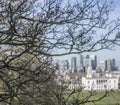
102 83
117 75
90 81
106 81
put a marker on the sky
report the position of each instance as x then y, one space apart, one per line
109 54
106 54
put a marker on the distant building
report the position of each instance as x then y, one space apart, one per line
102 66
87 62
106 65
91 80
103 83
90 61
73 64
109 65
93 61
87 56
113 64
79 62
98 81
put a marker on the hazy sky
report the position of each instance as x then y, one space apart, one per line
107 54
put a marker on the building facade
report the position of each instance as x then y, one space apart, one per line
103 83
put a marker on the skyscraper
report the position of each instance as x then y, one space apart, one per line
87 62
93 61
102 66
113 64
73 64
106 65
79 62
87 57
90 61
109 65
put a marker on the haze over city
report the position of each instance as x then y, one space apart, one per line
105 53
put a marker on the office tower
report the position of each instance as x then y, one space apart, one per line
90 61
87 62
73 64
113 64
102 66
79 62
109 65
70 67
106 65
93 61
87 57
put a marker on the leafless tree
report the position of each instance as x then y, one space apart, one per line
32 31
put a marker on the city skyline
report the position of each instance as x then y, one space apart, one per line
105 54
81 62
115 52
100 57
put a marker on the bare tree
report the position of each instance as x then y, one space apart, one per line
31 31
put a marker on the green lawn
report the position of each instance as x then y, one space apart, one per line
112 98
